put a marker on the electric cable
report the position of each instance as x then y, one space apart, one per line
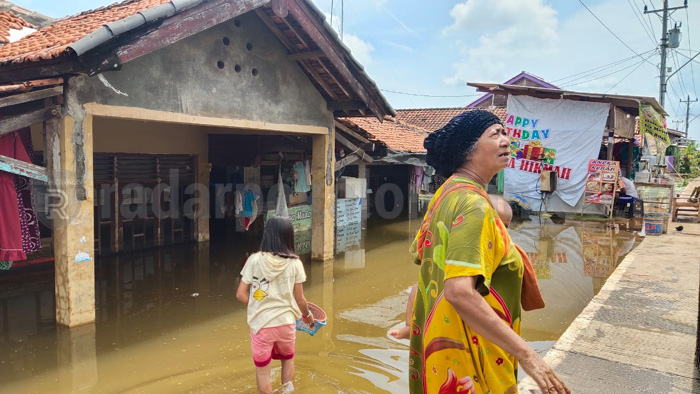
611 32
625 77
592 71
692 72
600 77
429 95
644 26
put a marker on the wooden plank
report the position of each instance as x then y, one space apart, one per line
30 96
354 148
14 166
353 105
15 123
313 28
297 33
346 161
335 79
186 24
319 79
273 28
352 134
305 55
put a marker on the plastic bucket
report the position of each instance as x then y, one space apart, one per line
654 223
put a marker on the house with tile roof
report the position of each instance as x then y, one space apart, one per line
138 109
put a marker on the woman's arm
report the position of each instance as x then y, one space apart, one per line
243 292
478 315
303 305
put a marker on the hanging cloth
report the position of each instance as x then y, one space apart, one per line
11 248
29 222
300 184
281 209
308 174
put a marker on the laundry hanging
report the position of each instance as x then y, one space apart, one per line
11 245
249 211
29 222
301 184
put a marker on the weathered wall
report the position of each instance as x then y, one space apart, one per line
127 136
186 77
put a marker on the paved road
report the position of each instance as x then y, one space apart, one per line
638 335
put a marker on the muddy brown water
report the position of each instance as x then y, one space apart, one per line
168 320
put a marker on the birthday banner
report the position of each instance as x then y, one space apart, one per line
552 135
653 124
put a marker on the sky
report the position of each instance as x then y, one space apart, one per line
422 54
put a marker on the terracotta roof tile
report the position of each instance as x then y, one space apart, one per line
431 119
393 135
51 41
9 21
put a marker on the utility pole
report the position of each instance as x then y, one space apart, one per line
687 113
664 44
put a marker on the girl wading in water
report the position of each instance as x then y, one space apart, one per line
465 329
271 286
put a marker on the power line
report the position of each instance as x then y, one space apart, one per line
692 72
428 95
684 90
649 24
603 76
693 60
646 30
611 32
628 74
592 71
649 17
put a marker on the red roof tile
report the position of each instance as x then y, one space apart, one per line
431 119
9 21
392 134
51 41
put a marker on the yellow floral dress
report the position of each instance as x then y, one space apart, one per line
464 237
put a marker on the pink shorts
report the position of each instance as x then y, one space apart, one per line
273 343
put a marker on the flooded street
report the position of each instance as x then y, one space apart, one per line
168 320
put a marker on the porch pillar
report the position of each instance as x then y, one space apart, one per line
69 158
323 200
202 191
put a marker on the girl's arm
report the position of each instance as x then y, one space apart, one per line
303 306
243 292
476 312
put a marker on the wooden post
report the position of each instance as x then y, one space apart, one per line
362 173
202 214
323 200
73 219
630 158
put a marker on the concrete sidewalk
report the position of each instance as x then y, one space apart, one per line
638 334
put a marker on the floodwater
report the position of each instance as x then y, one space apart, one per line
168 320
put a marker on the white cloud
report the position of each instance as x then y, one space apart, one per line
361 50
519 32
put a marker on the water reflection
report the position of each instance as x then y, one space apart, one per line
168 321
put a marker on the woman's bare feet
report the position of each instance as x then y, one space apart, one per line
401 333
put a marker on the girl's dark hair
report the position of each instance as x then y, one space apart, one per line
278 237
447 148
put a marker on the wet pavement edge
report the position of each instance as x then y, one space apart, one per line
638 334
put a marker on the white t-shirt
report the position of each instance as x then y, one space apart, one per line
272 279
630 190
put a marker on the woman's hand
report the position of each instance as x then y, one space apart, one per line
542 374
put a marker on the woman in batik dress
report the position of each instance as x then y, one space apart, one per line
465 329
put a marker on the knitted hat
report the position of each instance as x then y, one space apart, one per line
447 147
